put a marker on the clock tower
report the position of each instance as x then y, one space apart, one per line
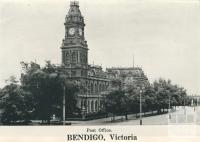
74 46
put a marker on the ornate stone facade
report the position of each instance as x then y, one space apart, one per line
75 59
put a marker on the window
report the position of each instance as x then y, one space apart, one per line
96 88
92 89
74 57
82 73
67 58
100 88
73 73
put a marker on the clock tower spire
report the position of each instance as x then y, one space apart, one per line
74 46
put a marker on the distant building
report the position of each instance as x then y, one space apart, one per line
75 59
129 75
195 100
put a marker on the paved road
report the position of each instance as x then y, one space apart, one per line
189 115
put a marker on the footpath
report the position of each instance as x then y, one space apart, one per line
117 119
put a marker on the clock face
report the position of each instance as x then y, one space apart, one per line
80 32
71 31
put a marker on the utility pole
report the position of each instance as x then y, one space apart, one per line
63 104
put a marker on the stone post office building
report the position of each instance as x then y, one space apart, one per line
75 60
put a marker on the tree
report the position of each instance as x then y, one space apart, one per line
46 86
133 94
15 106
166 93
163 95
117 102
150 99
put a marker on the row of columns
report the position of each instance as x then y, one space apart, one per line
90 105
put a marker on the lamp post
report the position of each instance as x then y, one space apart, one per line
140 107
184 107
192 102
141 90
169 109
196 104
83 112
63 104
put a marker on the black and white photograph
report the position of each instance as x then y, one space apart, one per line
144 63
99 63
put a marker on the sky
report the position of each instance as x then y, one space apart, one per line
163 36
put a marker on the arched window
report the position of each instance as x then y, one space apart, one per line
82 104
89 106
89 88
85 57
86 87
101 104
96 105
81 58
67 58
92 106
100 88
104 87
74 57
96 88
92 89
85 104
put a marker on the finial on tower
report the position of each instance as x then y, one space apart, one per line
74 3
